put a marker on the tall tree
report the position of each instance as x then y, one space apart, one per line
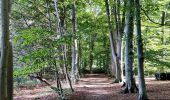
74 45
4 5
111 31
112 43
129 55
123 41
142 86
62 22
118 40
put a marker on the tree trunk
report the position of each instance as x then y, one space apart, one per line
163 39
123 58
57 16
129 56
48 14
66 69
118 41
123 44
10 74
59 86
60 29
4 5
91 48
142 86
74 45
113 50
62 46
80 59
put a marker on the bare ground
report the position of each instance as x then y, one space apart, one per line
97 87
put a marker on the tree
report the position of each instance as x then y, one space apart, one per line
115 57
129 55
5 10
118 35
74 45
142 87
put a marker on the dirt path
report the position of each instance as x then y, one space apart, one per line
98 87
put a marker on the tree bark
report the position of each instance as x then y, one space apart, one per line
123 58
4 4
66 69
113 46
57 16
118 40
60 29
10 73
129 55
74 45
123 43
62 46
142 86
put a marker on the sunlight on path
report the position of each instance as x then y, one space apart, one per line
95 87
98 87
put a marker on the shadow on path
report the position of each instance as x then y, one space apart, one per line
95 87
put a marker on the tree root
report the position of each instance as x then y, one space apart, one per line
133 89
116 81
142 97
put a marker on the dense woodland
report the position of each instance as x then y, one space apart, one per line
56 42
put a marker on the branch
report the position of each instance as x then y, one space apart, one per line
153 20
150 18
40 78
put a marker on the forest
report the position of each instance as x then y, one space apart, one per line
84 49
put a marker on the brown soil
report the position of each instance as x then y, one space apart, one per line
98 87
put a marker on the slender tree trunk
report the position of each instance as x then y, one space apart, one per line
49 16
108 58
118 41
123 43
74 45
91 45
129 56
163 39
91 63
142 86
59 86
10 74
57 16
62 46
80 58
113 50
59 30
60 25
123 58
66 69
4 5
123 19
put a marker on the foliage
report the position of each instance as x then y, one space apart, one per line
37 43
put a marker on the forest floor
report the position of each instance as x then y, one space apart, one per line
97 87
